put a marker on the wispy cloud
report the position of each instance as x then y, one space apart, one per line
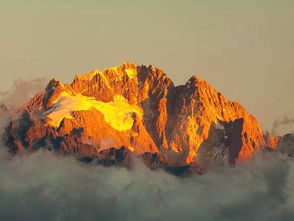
21 91
282 121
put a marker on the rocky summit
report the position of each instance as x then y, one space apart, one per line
128 110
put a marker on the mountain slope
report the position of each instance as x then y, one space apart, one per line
140 109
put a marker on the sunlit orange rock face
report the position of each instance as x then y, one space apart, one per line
139 108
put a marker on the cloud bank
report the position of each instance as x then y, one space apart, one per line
44 186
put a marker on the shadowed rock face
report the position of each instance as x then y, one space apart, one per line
286 145
140 109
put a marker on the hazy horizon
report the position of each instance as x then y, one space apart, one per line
243 49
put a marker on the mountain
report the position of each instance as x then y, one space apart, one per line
128 110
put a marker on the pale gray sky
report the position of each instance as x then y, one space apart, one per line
245 49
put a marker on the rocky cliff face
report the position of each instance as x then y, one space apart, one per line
140 109
286 145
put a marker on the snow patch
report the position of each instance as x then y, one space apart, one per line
117 113
131 72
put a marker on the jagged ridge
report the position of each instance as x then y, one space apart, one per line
138 107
